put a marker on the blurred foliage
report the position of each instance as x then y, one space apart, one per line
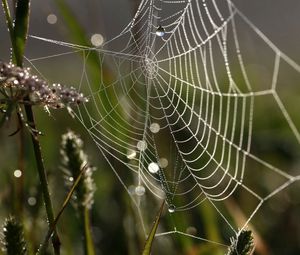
116 227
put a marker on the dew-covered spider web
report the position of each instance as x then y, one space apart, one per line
178 109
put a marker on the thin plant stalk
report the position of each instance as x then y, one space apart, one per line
20 184
151 236
19 32
43 179
64 205
88 245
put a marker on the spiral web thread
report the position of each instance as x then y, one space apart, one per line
190 84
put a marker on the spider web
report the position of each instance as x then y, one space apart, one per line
179 110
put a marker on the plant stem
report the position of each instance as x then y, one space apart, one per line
85 226
20 183
43 178
64 205
8 20
18 35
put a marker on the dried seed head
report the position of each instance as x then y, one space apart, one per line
242 244
74 160
25 85
13 237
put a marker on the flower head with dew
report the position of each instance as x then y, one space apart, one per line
18 85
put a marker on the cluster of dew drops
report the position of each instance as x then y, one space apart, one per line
153 167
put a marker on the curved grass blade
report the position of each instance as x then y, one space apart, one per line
64 205
149 241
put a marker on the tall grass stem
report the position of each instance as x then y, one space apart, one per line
18 34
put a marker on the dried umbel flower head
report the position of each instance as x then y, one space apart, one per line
19 85
74 160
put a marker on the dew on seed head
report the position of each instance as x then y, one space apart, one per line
154 128
141 145
153 167
140 190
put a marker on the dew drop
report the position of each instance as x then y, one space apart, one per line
153 167
141 145
131 190
191 230
131 154
154 128
31 201
140 190
172 209
52 19
160 31
17 173
97 40
163 162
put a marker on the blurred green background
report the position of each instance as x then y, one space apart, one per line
116 225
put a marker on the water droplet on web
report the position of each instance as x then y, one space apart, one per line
141 145
171 208
131 154
97 40
163 162
154 128
160 31
153 167
140 190
131 190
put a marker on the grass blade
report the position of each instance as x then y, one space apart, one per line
90 249
21 29
149 241
8 19
64 205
